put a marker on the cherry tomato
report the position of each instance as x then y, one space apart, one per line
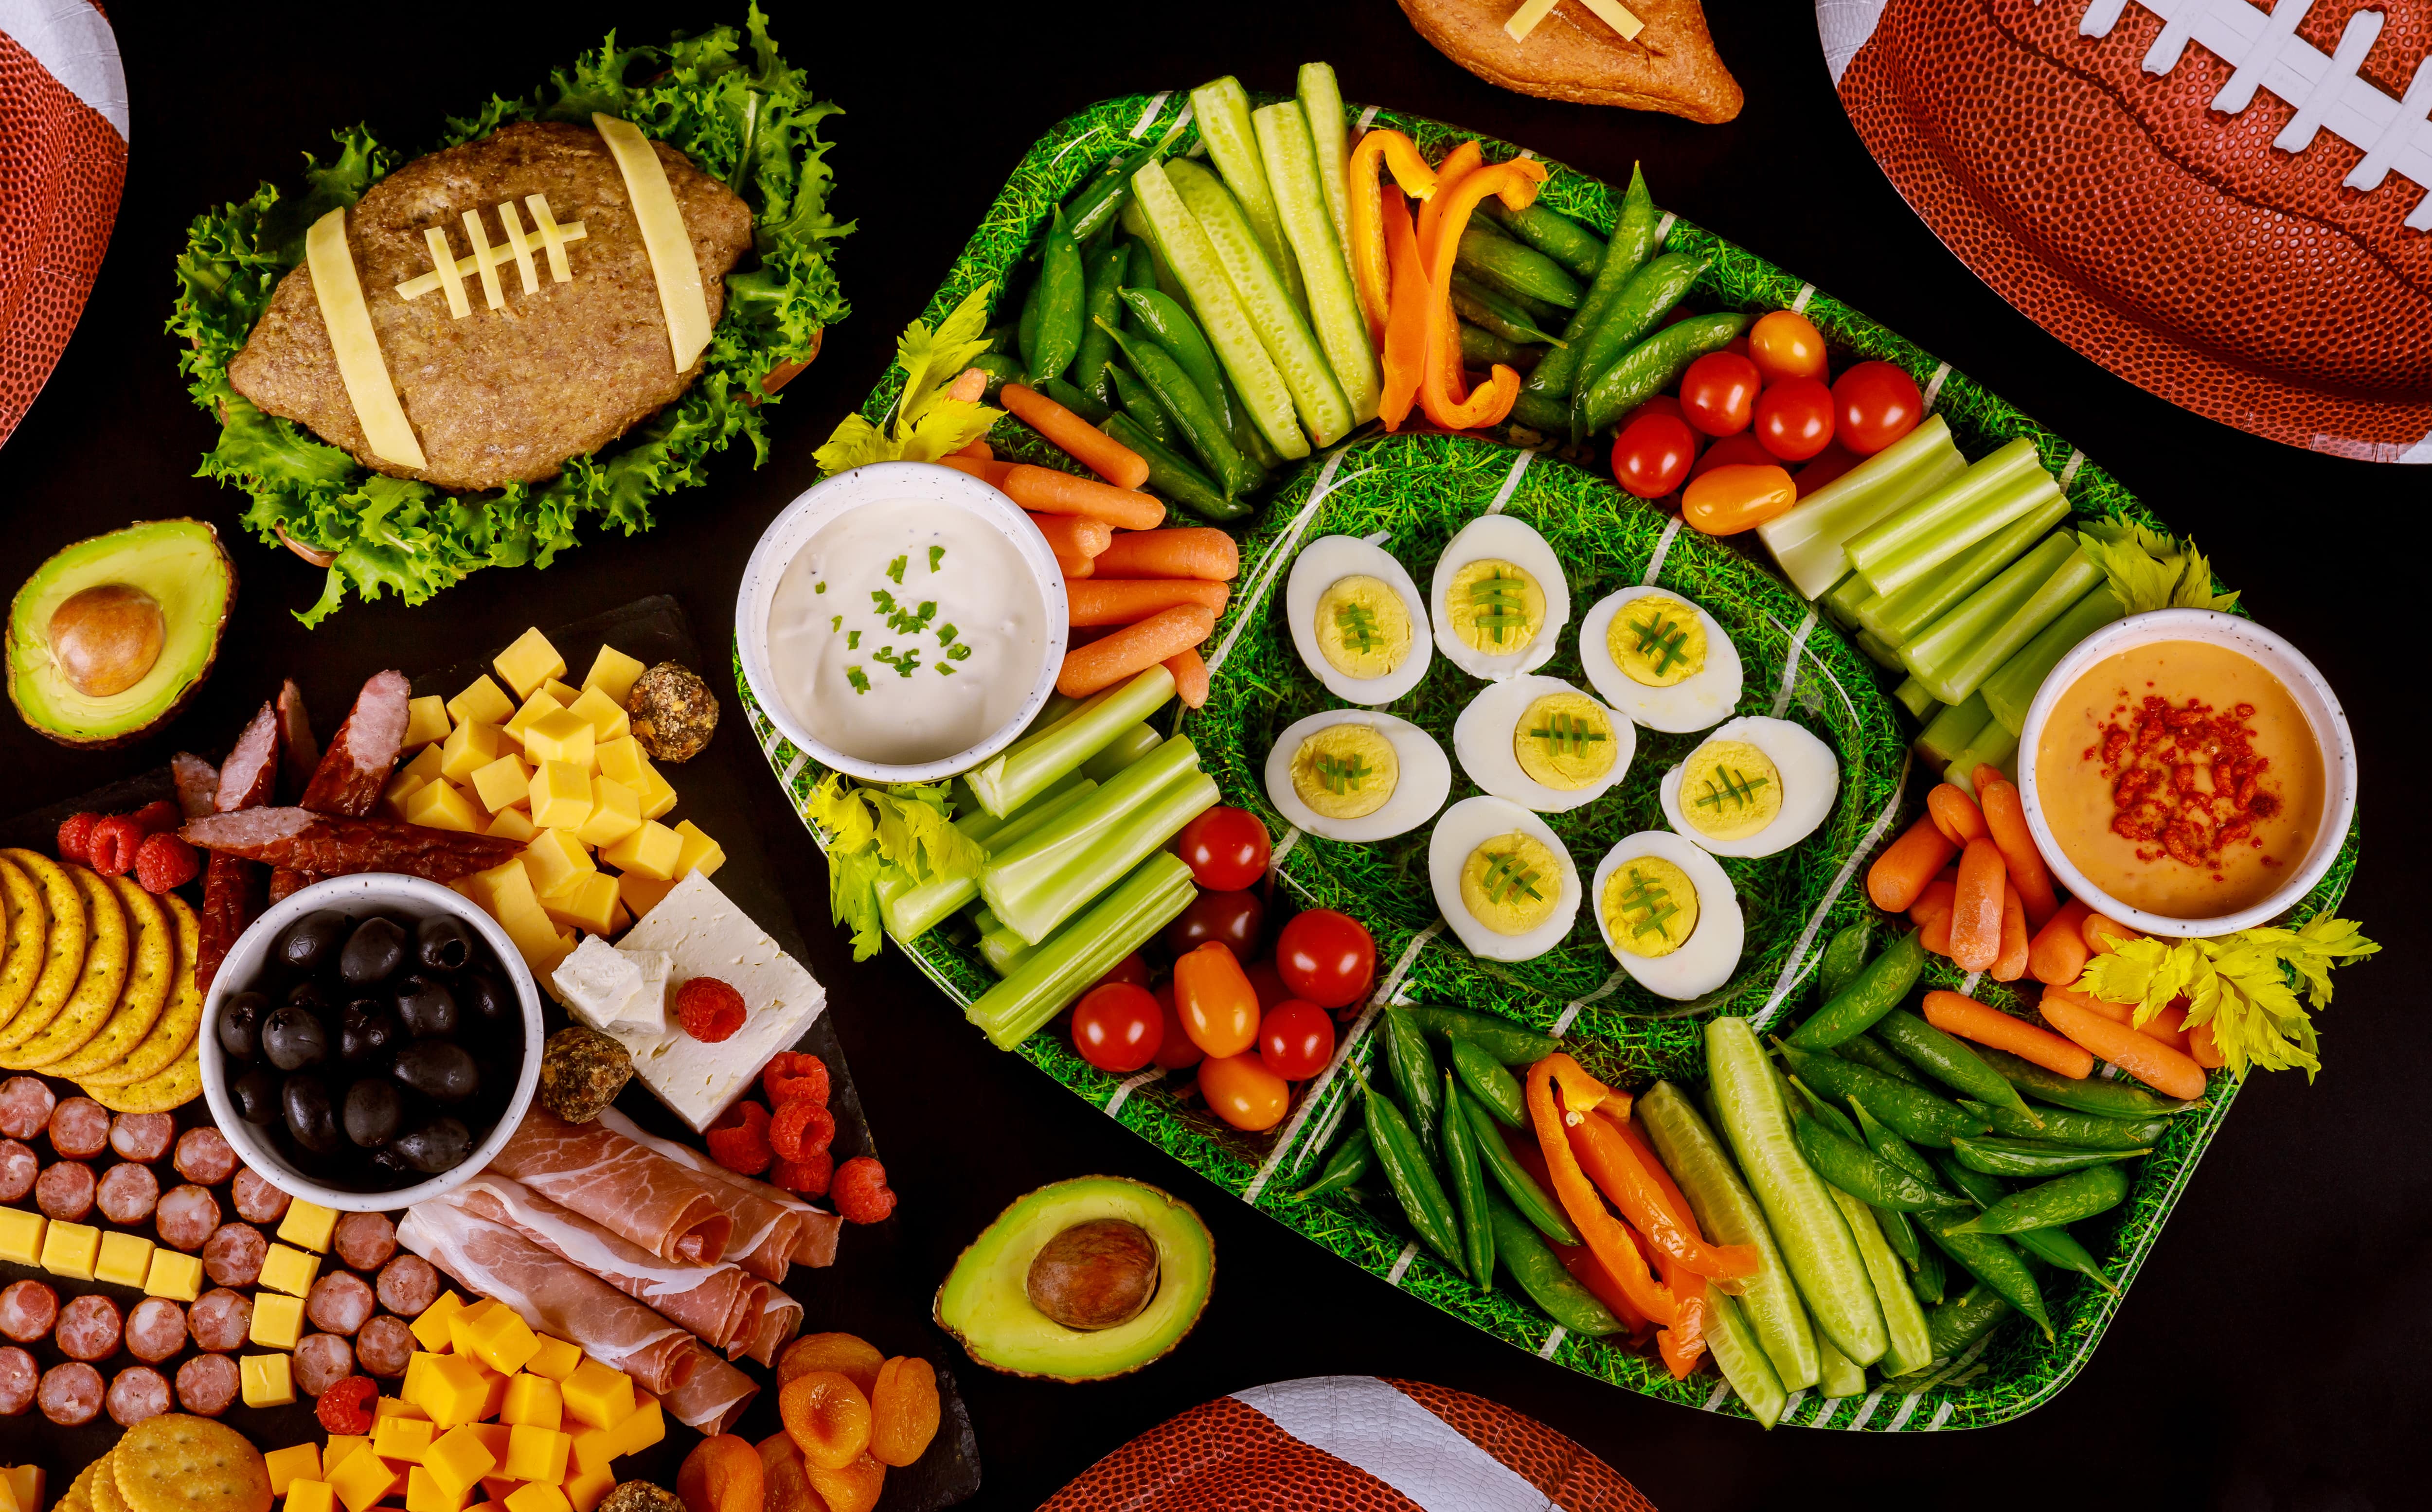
1218 1011
1825 466
1732 451
1718 393
1876 404
1326 958
1786 344
1117 1027
1267 982
1132 968
1243 1092
1651 456
1731 499
1226 849
1794 418
1296 1039
1236 918
1174 1050
1661 404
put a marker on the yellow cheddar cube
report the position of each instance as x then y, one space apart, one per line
605 715
552 857
443 805
405 1438
700 854
542 944
640 892
583 902
124 1259
426 1493
497 1489
266 1380
460 1326
641 1428
619 920
596 1395
561 796
538 1496
21 1235
470 748
621 759
652 850
426 721
362 1481
70 1249
564 692
529 662
493 1395
340 1446
616 813
484 702
555 1360
538 1453
539 706
178 1277
658 795
308 1225
393 1407
277 1322
287 1270
398 793
612 673
590 1448
532 1400
502 1340
417 1379
310 1496
495 1436
454 1391
512 824
424 767
430 1328
502 783
500 889
297 1462
586 1491
457 1460
559 736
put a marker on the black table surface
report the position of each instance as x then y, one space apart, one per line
2270 1353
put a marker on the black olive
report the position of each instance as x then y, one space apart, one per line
368 1032
439 1069
372 1112
442 943
311 942
486 998
373 952
309 997
241 1019
438 1145
294 1039
310 1120
426 1007
257 1096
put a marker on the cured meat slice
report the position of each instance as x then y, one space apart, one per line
19 1166
18 1376
64 1191
298 752
495 1261
89 1328
138 1392
385 1346
156 1329
126 1193
249 777
779 1322
408 1284
353 771
71 1394
232 899
285 882
25 1104
365 1240
207 1384
220 1319
713 1397
198 784
631 1191
340 1302
187 1216
233 1256
256 1199
79 1128
771 1227
322 1360
205 1157
142 1135
339 846
28 1310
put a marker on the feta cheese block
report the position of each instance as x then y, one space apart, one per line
596 981
646 1011
703 935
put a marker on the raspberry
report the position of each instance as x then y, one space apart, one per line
346 1407
115 840
163 861
75 838
158 816
709 1009
739 1139
800 1130
859 1192
791 1076
806 1177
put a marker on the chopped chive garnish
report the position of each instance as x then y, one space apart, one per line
819 587
1568 734
947 670
1736 790
835 622
946 635
895 570
1358 622
1343 773
1660 641
959 653
882 600
853 640
1497 600
1652 901
936 554
860 683
1507 877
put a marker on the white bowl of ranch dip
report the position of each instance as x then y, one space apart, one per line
902 622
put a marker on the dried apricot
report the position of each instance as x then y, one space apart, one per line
721 1474
853 1488
853 1358
828 1417
902 1411
786 1481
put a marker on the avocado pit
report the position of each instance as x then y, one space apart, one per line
1094 1275
106 638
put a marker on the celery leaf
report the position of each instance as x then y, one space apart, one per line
2256 989
2147 570
903 831
926 424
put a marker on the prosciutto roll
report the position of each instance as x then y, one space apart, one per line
779 1322
635 1192
771 1227
715 1395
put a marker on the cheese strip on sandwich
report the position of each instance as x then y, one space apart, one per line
663 237
361 367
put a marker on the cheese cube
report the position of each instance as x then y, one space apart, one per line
538 1496
424 767
497 1489
561 795
124 1259
393 1407
639 892
457 1460
658 795
24 1485
406 1439
460 1326
290 1270
431 1329
700 853
70 1249
426 1493
21 1235
612 673
513 824
417 1379
559 736
583 901
469 748
277 1322
454 1391
400 791
500 889
443 805
308 1225
178 1277
590 1448
340 1446
484 702
621 759
426 721
651 849
596 1395
310 1496
552 857
502 1340
539 706
619 920
297 1462
362 1481
535 1454
542 944
529 662
605 715
585 1492
266 1380
643 1426
503 783
564 692
616 813
555 1360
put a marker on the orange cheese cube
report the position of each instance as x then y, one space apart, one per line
641 1428
538 1454
494 1392
538 1497
426 1493
555 1359
394 1407
484 702
336 1450
457 1460
586 1489
297 1462
405 1438
591 1449
596 1395
532 1400
362 1481
502 1340
454 1391
310 1496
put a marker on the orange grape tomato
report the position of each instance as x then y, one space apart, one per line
1794 418
1718 394
1742 450
1786 344
1242 1091
1220 1011
1174 1050
721 1474
853 1488
828 1415
1731 499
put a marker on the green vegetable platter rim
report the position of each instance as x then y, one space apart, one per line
1420 486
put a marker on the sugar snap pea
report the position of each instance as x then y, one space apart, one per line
1171 327
1004 340
1558 236
1541 1275
1645 299
1949 1061
1926 1278
1852 1168
1415 1078
1139 403
1991 1260
1494 1088
1085 405
1488 254
1171 477
1199 423
1485 308
2097 1095
1461 1158
1874 992
1901 1235
1863 1050
1055 337
2054 1247
1964 1319
1650 367
2031 1157
1001 370
1844 957
2048 1204
1481 349
1101 301
1889 1146
1497 1035
1350 1161
2085 1130
1544 401
1410 1175
1532 1202
1916 1114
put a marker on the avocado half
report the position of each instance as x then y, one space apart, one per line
986 1301
155 596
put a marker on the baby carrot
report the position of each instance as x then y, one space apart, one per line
1083 441
1075 568
2118 1013
986 469
1899 875
1196 551
2005 816
2142 1056
2169 1025
1931 913
1112 600
1133 649
1976 910
978 450
1955 814
2012 963
2104 935
1045 491
971 386
2204 1050
1073 535
2057 957
1969 1019
1189 677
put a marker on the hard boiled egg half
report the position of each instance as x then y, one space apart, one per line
1755 787
1502 879
1352 775
1669 915
1661 660
1357 619
1543 744
1499 599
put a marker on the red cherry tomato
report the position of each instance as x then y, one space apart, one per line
1243 1092
1825 466
1296 1039
1218 1011
1132 968
1661 404
1117 1027
1174 1050
1226 849
1326 958
1718 393
1794 418
1267 982
1875 404
1731 499
1651 456
1742 450
1236 918
1786 344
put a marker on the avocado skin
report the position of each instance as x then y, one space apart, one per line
34 682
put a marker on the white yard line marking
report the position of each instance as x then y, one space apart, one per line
793 768
1401 1263
1968 987
1824 1411
1283 847
1156 103
1511 482
1262 577
1722 1393
1791 969
1366 118
1874 1399
1662 549
1806 292
2068 469
1934 386
1664 228
1941 1415
1122 1093
1790 664
1553 1342
1571 1010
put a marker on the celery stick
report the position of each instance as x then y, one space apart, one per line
1333 305
1035 763
2008 692
1884 653
1913 698
1227 324
1807 542
1942 644
1002 950
2067 583
1272 315
1901 618
985 922
1221 109
1995 747
1126 749
1841 605
1952 730
1321 101
1128 917
1892 553
913 911
1045 878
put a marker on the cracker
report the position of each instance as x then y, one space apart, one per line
175 1030
181 1083
104 1489
62 961
79 1491
20 950
178 1463
97 988
151 973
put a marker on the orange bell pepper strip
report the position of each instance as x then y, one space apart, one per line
1364 215
1682 1345
1627 1172
1515 182
1605 1235
1459 164
1406 323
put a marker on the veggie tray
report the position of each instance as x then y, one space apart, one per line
1420 488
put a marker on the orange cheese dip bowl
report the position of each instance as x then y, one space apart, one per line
2187 773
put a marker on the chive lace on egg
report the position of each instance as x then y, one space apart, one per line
1358 622
1497 600
1343 773
1507 877
1567 733
1646 906
1735 790
1659 640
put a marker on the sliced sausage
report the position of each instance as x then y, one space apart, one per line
89 1328
156 1329
205 1157
28 1311
257 1201
137 1393
187 1218
18 1376
127 1193
79 1127
339 1302
65 1191
19 1166
408 1284
70 1394
220 1319
385 1346
233 1256
322 1360
365 1240
207 1384
142 1135
25 1104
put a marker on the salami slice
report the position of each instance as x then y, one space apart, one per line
340 1302
298 752
232 899
198 783
322 1360
142 1135
79 1128
89 1328
25 1104
64 1191
249 777
408 1284
70 1394
138 1392
127 1193
156 1329
207 1384
365 1240
205 1157
18 1377
220 1319
19 1166
385 1346
354 770
286 881
187 1216
337 845
257 1201
233 1256
28 1311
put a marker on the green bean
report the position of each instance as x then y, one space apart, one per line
1497 1035
2048 1204
1171 477
1556 235
1541 1275
1926 1283
2083 1129
1103 301
2103 1098
1495 1088
1414 1077
1181 400
1085 405
1916 1114
1844 957
1412 1178
1849 1167
1863 1050
1650 367
1491 256
1139 403
1462 1158
1890 1147
1483 306
1545 402
1350 1161
1482 350
2031 1157
1532 1201
1631 316
1949 1061
1055 337
1964 1319
1873 993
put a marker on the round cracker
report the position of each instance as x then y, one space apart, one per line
181 1463
20 950
176 1029
151 974
179 1085
79 1493
62 948
104 1489
97 988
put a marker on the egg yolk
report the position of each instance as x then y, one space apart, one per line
1345 771
1363 627
1564 740
1730 789
1510 883
1494 607
1650 907
1657 641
